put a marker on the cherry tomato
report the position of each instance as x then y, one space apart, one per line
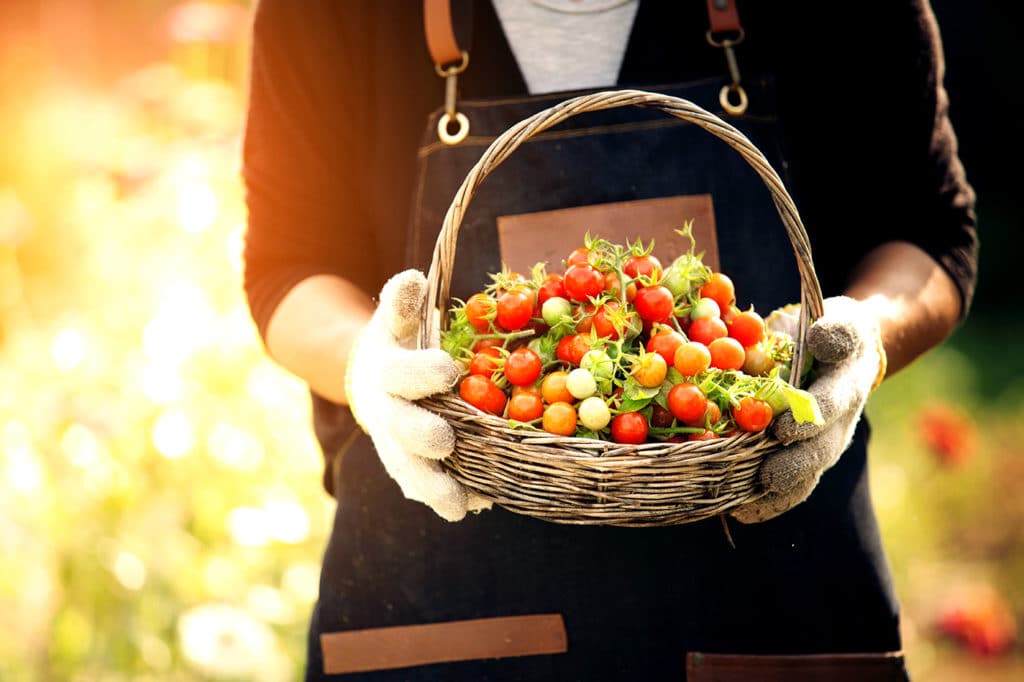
707 329
687 402
579 256
515 308
478 308
560 419
705 307
752 414
664 343
553 388
712 415
703 435
720 288
483 394
525 406
593 413
572 348
660 417
654 304
522 367
603 320
649 371
629 427
648 266
485 362
583 282
691 358
757 362
487 343
526 388
726 353
747 328
551 288
612 285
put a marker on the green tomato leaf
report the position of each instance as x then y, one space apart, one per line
632 390
673 377
803 405
634 404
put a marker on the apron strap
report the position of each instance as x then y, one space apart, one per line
443 24
723 17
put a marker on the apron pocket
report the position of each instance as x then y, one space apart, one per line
880 667
405 646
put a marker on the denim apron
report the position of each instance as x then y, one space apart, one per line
635 601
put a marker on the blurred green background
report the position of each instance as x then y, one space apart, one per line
161 514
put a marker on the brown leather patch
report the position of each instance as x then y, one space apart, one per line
549 236
411 645
856 667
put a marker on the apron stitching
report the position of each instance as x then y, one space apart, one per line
481 140
414 248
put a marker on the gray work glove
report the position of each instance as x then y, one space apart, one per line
846 344
385 373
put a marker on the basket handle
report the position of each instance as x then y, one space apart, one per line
442 261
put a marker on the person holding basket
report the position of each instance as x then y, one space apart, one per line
354 150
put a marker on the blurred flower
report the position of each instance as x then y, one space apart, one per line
173 435
978 617
947 433
227 642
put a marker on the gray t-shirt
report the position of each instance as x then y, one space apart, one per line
567 44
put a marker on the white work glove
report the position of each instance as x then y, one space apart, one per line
385 373
846 344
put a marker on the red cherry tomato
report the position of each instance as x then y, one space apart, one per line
707 329
515 308
478 308
583 282
580 256
687 402
752 414
703 435
747 328
629 427
482 393
485 362
691 358
665 343
653 304
551 288
487 343
525 406
648 266
660 417
522 367
719 288
572 348
602 320
726 353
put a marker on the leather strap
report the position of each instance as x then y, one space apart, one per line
411 645
723 16
437 23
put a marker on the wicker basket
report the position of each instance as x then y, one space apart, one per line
584 481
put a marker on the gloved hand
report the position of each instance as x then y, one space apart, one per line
846 342
385 372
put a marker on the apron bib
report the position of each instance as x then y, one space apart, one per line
633 601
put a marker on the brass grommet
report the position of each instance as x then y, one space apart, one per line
727 105
459 135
